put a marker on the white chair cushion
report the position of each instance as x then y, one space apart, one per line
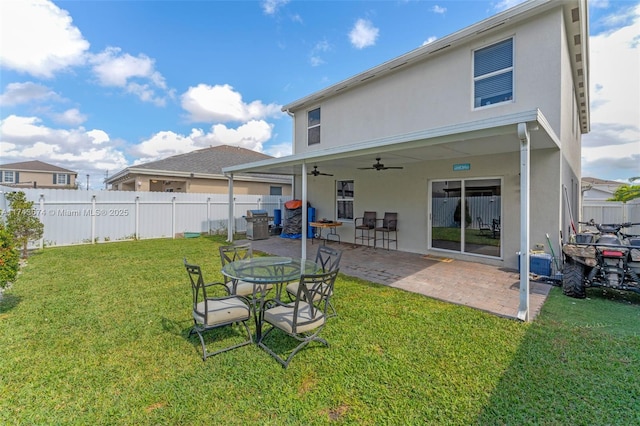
282 317
246 289
222 311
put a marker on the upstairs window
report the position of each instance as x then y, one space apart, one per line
493 74
313 127
61 179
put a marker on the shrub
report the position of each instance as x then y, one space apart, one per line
22 221
9 257
467 215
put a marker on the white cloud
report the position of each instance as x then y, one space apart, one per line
270 7
363 34
429 40
70 117
163 144
86 152
279 150
221 103
99 136
612 149
116 69
314 57
438 9
501 5
251 135
39 38
24 93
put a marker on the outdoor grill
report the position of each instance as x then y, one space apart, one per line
257 224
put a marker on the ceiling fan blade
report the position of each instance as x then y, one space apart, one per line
316 172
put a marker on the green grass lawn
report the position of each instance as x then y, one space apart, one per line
97 334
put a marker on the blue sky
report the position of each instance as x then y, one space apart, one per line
96 86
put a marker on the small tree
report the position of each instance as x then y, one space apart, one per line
9 257
457 214
22 221
626 193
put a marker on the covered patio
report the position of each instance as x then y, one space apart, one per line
425 157
488 288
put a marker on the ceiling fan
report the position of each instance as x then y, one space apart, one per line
379 166
316 172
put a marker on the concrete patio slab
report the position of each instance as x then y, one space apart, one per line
479 286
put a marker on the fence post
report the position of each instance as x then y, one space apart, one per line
137 230
173 217
208 215
41 212
93 219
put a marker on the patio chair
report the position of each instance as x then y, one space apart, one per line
301 319
484 227
389 227
364 227
230 254
210 312
495 228
329 260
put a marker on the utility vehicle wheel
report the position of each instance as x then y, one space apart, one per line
573 280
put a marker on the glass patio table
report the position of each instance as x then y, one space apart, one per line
274 270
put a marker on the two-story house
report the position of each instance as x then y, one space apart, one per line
486 121
37 174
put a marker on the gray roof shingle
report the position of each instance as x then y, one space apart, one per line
34 166
208 160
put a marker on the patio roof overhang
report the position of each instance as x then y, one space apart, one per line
483 137
518 132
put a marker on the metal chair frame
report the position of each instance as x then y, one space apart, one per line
389 226
230 254
206 307
304 318
328 259
484 227
363 227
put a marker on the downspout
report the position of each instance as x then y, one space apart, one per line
525 169
230 214
293 146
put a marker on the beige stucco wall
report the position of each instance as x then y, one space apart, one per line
44 179
439 92
407 193
197 185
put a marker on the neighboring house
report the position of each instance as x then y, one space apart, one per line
37 174
489 118
200 171
594 189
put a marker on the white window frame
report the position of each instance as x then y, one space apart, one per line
340 197
6 174
495 73
313 127
63 179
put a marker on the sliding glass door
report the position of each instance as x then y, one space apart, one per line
466 216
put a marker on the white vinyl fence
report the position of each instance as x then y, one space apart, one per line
84 217
612 212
